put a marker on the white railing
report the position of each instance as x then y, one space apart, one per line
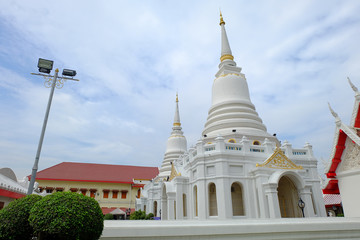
233 147
257 149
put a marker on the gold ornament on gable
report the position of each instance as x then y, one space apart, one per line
279 161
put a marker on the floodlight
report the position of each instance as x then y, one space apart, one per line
45 66
68 72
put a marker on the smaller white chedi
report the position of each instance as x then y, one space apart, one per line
237 169
176 145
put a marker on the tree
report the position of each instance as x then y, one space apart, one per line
14 222
67 215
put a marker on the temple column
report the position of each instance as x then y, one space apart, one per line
271 194
171 206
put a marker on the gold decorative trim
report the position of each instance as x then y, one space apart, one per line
232 140
221 19
257 143
176 136
226 56
224 75
173 173
279 161
177 124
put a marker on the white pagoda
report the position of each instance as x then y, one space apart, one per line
237 169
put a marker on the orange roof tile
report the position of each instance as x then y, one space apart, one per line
91 172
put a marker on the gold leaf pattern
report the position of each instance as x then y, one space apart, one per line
279 161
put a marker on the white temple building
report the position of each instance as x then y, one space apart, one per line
343 170
237 169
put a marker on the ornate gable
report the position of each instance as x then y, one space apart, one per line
279 161
351 160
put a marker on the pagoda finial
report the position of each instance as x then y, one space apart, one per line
221 19
226 53
177 115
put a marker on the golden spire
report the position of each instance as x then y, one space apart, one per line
177 98
225 47
221 19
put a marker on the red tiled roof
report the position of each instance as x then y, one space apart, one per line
332 187
332 199
91 172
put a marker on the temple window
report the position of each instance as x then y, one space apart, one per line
106 193
256 142
115 193
195 201
155 208
237 200
83 191
184 206
138 193
213 211
93 192
123 194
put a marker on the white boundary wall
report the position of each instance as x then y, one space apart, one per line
255 229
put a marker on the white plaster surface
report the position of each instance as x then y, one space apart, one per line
291 228
350 193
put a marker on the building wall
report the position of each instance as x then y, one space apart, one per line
350 193
4 201
295 228
222 164
125 197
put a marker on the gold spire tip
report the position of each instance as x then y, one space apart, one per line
177 98
221 19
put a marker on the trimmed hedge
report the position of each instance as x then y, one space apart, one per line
67 215
14 222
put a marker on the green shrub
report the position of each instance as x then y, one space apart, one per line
150 216
138 215
14 222
109 217
141 215
67 215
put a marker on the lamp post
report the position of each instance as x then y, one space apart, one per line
45 66
301 205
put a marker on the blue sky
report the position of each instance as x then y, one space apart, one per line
132 58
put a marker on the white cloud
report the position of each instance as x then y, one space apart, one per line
131 59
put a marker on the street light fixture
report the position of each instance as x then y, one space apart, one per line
45 66
301 205
68 72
